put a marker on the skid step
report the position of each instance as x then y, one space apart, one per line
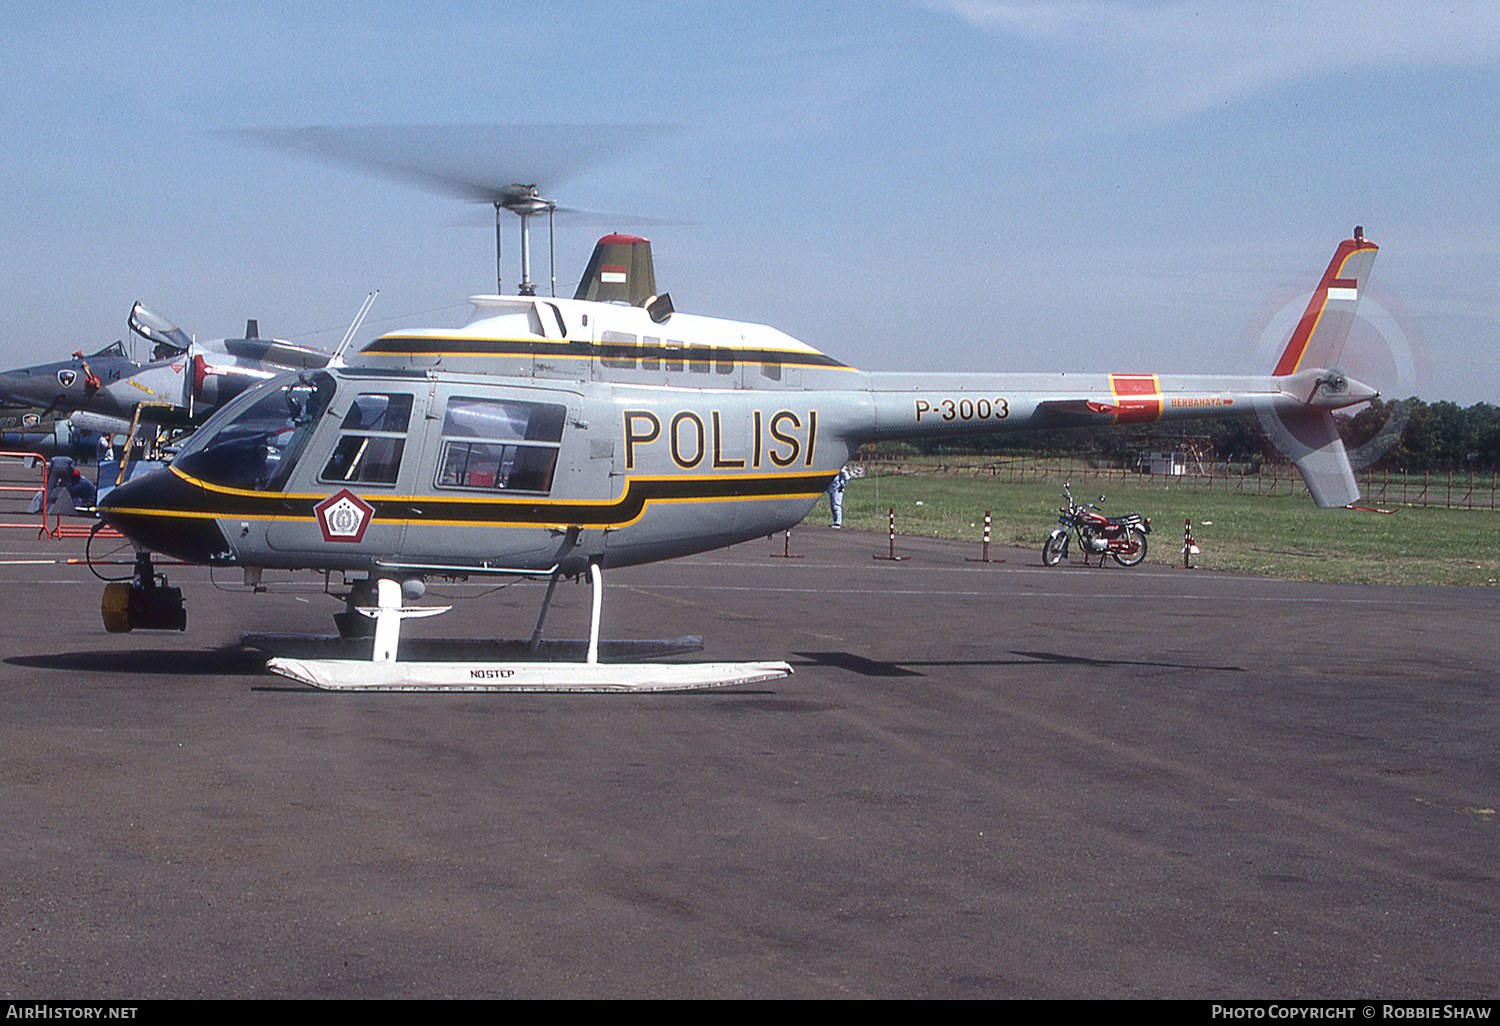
365 675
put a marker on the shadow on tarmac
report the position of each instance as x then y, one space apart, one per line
226 662
878 668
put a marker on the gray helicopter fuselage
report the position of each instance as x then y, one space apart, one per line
548 434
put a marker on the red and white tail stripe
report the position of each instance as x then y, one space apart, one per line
1318 340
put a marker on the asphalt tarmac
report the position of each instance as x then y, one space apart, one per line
983 780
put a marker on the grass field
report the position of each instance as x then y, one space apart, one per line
1274 536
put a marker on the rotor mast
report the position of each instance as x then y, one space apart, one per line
525 202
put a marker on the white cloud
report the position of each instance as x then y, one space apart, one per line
1175 59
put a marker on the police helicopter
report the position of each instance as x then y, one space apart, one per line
553 437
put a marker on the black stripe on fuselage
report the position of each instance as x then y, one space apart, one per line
198 500
512 348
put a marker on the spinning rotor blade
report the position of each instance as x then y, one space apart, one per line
478 163
578 218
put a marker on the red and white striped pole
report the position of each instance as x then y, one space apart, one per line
892 557
1189 546
985 550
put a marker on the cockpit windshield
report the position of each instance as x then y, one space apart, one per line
254 442
113 349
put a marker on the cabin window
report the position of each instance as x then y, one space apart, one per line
724 361
500 444
562 325
770 366
260 434
701 360
615 354
371 440
673 357
650 352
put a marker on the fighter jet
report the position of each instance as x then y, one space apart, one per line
100 392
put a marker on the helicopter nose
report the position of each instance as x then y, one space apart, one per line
164 513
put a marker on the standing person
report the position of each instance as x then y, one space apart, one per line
836 496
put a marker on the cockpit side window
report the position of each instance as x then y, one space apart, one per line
371 440
260 436
500 444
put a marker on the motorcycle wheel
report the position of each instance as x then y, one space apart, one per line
1052 552
1138 538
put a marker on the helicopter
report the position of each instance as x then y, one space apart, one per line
553 438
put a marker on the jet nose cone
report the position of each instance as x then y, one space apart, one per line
11 386
166 514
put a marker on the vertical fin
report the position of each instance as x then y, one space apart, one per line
1318 340
621 270
1308 435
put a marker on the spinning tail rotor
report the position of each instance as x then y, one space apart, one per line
1307 371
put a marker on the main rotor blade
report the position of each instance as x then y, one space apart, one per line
477 163
578 218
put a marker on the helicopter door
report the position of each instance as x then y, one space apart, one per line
353 469
498 460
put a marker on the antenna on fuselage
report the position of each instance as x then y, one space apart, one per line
337 359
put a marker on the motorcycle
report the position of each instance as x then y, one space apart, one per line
1122 538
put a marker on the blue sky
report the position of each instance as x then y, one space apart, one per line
935 184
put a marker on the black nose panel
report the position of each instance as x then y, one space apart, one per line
165 514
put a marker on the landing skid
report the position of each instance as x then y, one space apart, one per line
362 675
536 665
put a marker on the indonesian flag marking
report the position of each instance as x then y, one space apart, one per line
1343 288
613 274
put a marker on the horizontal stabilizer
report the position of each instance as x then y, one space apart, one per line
1311 440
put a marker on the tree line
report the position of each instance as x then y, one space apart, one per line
1396 435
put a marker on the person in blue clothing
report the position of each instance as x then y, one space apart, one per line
63 477
836 496
81 490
